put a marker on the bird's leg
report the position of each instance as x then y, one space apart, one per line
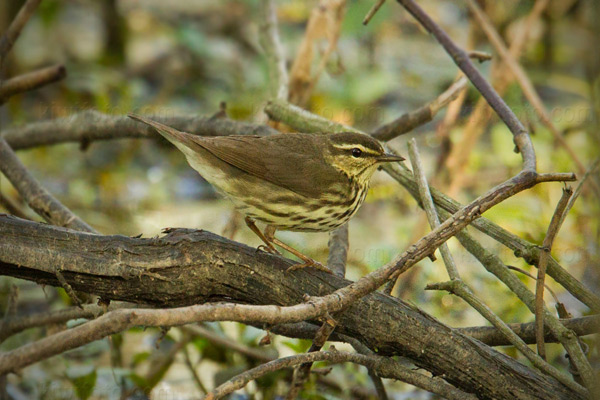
307 261
268 246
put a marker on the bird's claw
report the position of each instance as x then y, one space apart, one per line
270 250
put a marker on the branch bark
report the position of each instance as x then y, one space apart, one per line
159 271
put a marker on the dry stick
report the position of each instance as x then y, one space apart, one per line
14 30
36 196
219 340
31 81
566 337
428 206
473 129
384 366
373 11
302 372
527 274
461 58
461 289
409 121
271 44
195 377
306 121
553 228
524 81
579 188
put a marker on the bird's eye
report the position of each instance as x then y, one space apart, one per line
356 152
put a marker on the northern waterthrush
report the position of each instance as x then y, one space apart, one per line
291 181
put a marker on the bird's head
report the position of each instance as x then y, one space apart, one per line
357 155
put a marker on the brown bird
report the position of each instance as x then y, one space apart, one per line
292 181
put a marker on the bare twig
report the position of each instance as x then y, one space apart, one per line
428 205
219 340
373 11
591 170
553 228
461 58
14 30
193 372
409 121
302 372
385 367
527 274
37 197
271 44
31 81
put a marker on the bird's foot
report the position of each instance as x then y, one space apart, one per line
310 263
268 249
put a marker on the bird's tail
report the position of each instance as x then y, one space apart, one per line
174 136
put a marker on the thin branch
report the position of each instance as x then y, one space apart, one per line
271 44
219 340
428 205
411 120
553 229
373 11
14 30
302 372
461 58
36 196
460 289
384 367
591 170
491 336
527 274
31 81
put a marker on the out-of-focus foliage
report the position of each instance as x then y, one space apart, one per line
185 57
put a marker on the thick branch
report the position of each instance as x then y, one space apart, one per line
160 271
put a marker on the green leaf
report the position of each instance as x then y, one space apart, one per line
83 380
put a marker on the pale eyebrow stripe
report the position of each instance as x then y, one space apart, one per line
352 146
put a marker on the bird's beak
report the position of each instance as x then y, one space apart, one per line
387 157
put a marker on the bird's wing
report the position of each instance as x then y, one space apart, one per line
276 159
291 161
